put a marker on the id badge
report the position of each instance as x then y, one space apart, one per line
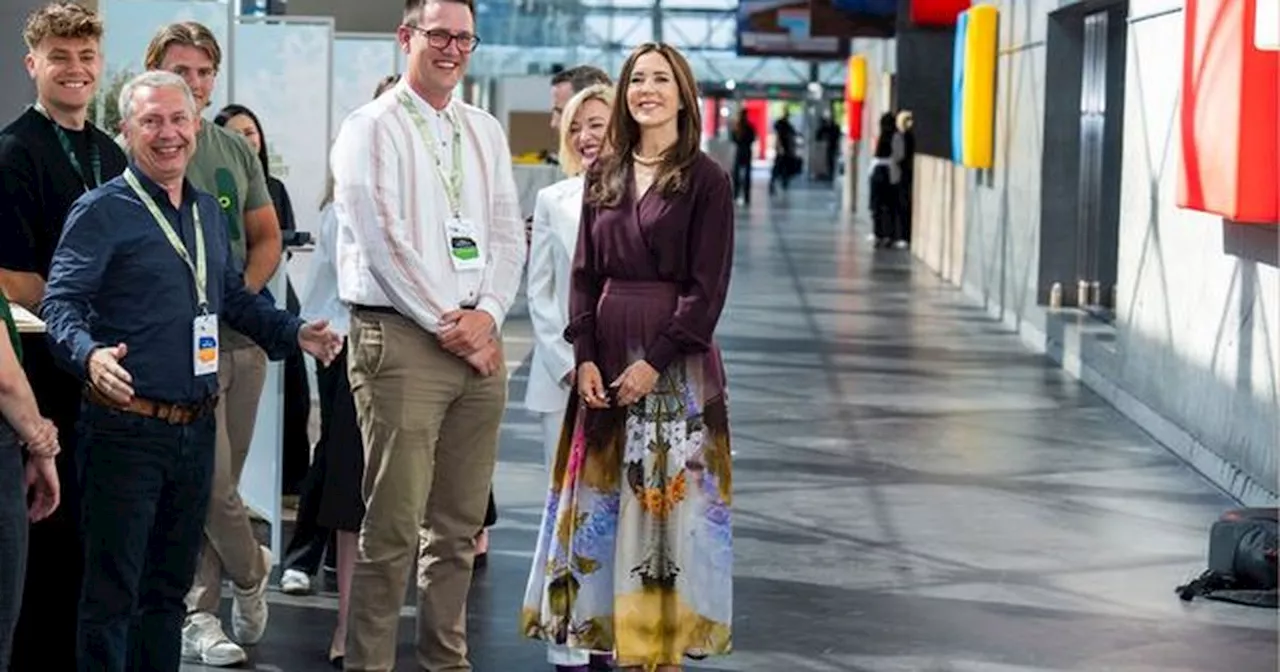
205 344
464 244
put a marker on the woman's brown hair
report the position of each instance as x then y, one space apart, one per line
609 176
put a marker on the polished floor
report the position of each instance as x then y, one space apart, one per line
914 491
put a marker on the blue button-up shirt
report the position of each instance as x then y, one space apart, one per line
116 279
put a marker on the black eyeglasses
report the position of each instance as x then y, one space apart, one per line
440 39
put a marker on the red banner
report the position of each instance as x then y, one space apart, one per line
1230 107
937 12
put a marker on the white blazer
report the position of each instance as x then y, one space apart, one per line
555 238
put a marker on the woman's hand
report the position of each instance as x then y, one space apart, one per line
635 383
591 386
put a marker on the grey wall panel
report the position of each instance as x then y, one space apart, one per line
380 16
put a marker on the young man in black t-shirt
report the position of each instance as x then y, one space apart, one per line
49 156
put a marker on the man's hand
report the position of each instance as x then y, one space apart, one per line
635 383
108 376
44 440
317 339
43 474
487 360
463 332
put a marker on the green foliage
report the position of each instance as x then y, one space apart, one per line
103 110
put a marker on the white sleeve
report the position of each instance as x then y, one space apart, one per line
367 197
549 318
507 245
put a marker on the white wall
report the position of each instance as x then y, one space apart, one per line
1194 353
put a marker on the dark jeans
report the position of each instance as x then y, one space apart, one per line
13 538
146 493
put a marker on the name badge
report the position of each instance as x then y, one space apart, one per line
205 344
464 244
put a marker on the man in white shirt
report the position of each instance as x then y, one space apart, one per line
430 253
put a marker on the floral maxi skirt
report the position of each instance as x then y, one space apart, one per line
635 553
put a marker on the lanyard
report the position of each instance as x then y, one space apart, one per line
95 154
198 270
452 180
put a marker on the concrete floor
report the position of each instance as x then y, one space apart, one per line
914 491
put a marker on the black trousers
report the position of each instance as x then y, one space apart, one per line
296 451
45 638
742 178
884 205
13 537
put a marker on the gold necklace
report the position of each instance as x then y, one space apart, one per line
646 161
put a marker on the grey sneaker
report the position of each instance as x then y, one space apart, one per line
249 608
203 641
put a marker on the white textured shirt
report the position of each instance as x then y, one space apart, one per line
392 210
321 301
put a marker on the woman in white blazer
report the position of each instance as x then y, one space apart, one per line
555 237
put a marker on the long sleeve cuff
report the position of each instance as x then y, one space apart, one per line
82 347
491 305
288 342
663 353
584 349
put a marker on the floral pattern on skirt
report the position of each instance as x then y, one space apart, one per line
635 554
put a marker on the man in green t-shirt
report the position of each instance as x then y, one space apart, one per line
20 425
224 166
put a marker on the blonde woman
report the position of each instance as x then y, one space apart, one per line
555 235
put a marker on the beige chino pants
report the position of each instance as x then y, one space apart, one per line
430 425
230 546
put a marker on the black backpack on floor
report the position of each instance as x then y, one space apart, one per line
1242 560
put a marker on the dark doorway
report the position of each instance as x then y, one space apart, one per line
1084 125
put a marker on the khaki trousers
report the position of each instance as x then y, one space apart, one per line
430 427
229 543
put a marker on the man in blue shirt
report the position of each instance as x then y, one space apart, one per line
146 338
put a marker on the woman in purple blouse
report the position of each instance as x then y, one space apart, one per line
636 555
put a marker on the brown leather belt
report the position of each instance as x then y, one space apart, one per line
174 414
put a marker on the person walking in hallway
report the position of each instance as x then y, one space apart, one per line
635 555
225 166
49 156
555 235
21 426
139 281
430 253
744 140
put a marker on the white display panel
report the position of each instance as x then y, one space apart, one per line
360 61
130 25
283 72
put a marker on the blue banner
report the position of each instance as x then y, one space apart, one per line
957 90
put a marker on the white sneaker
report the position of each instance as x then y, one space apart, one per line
295 583
249 608
204 641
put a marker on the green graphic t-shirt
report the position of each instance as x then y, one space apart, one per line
7 317
226 167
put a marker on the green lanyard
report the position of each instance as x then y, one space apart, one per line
95 154
453 179
198 269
